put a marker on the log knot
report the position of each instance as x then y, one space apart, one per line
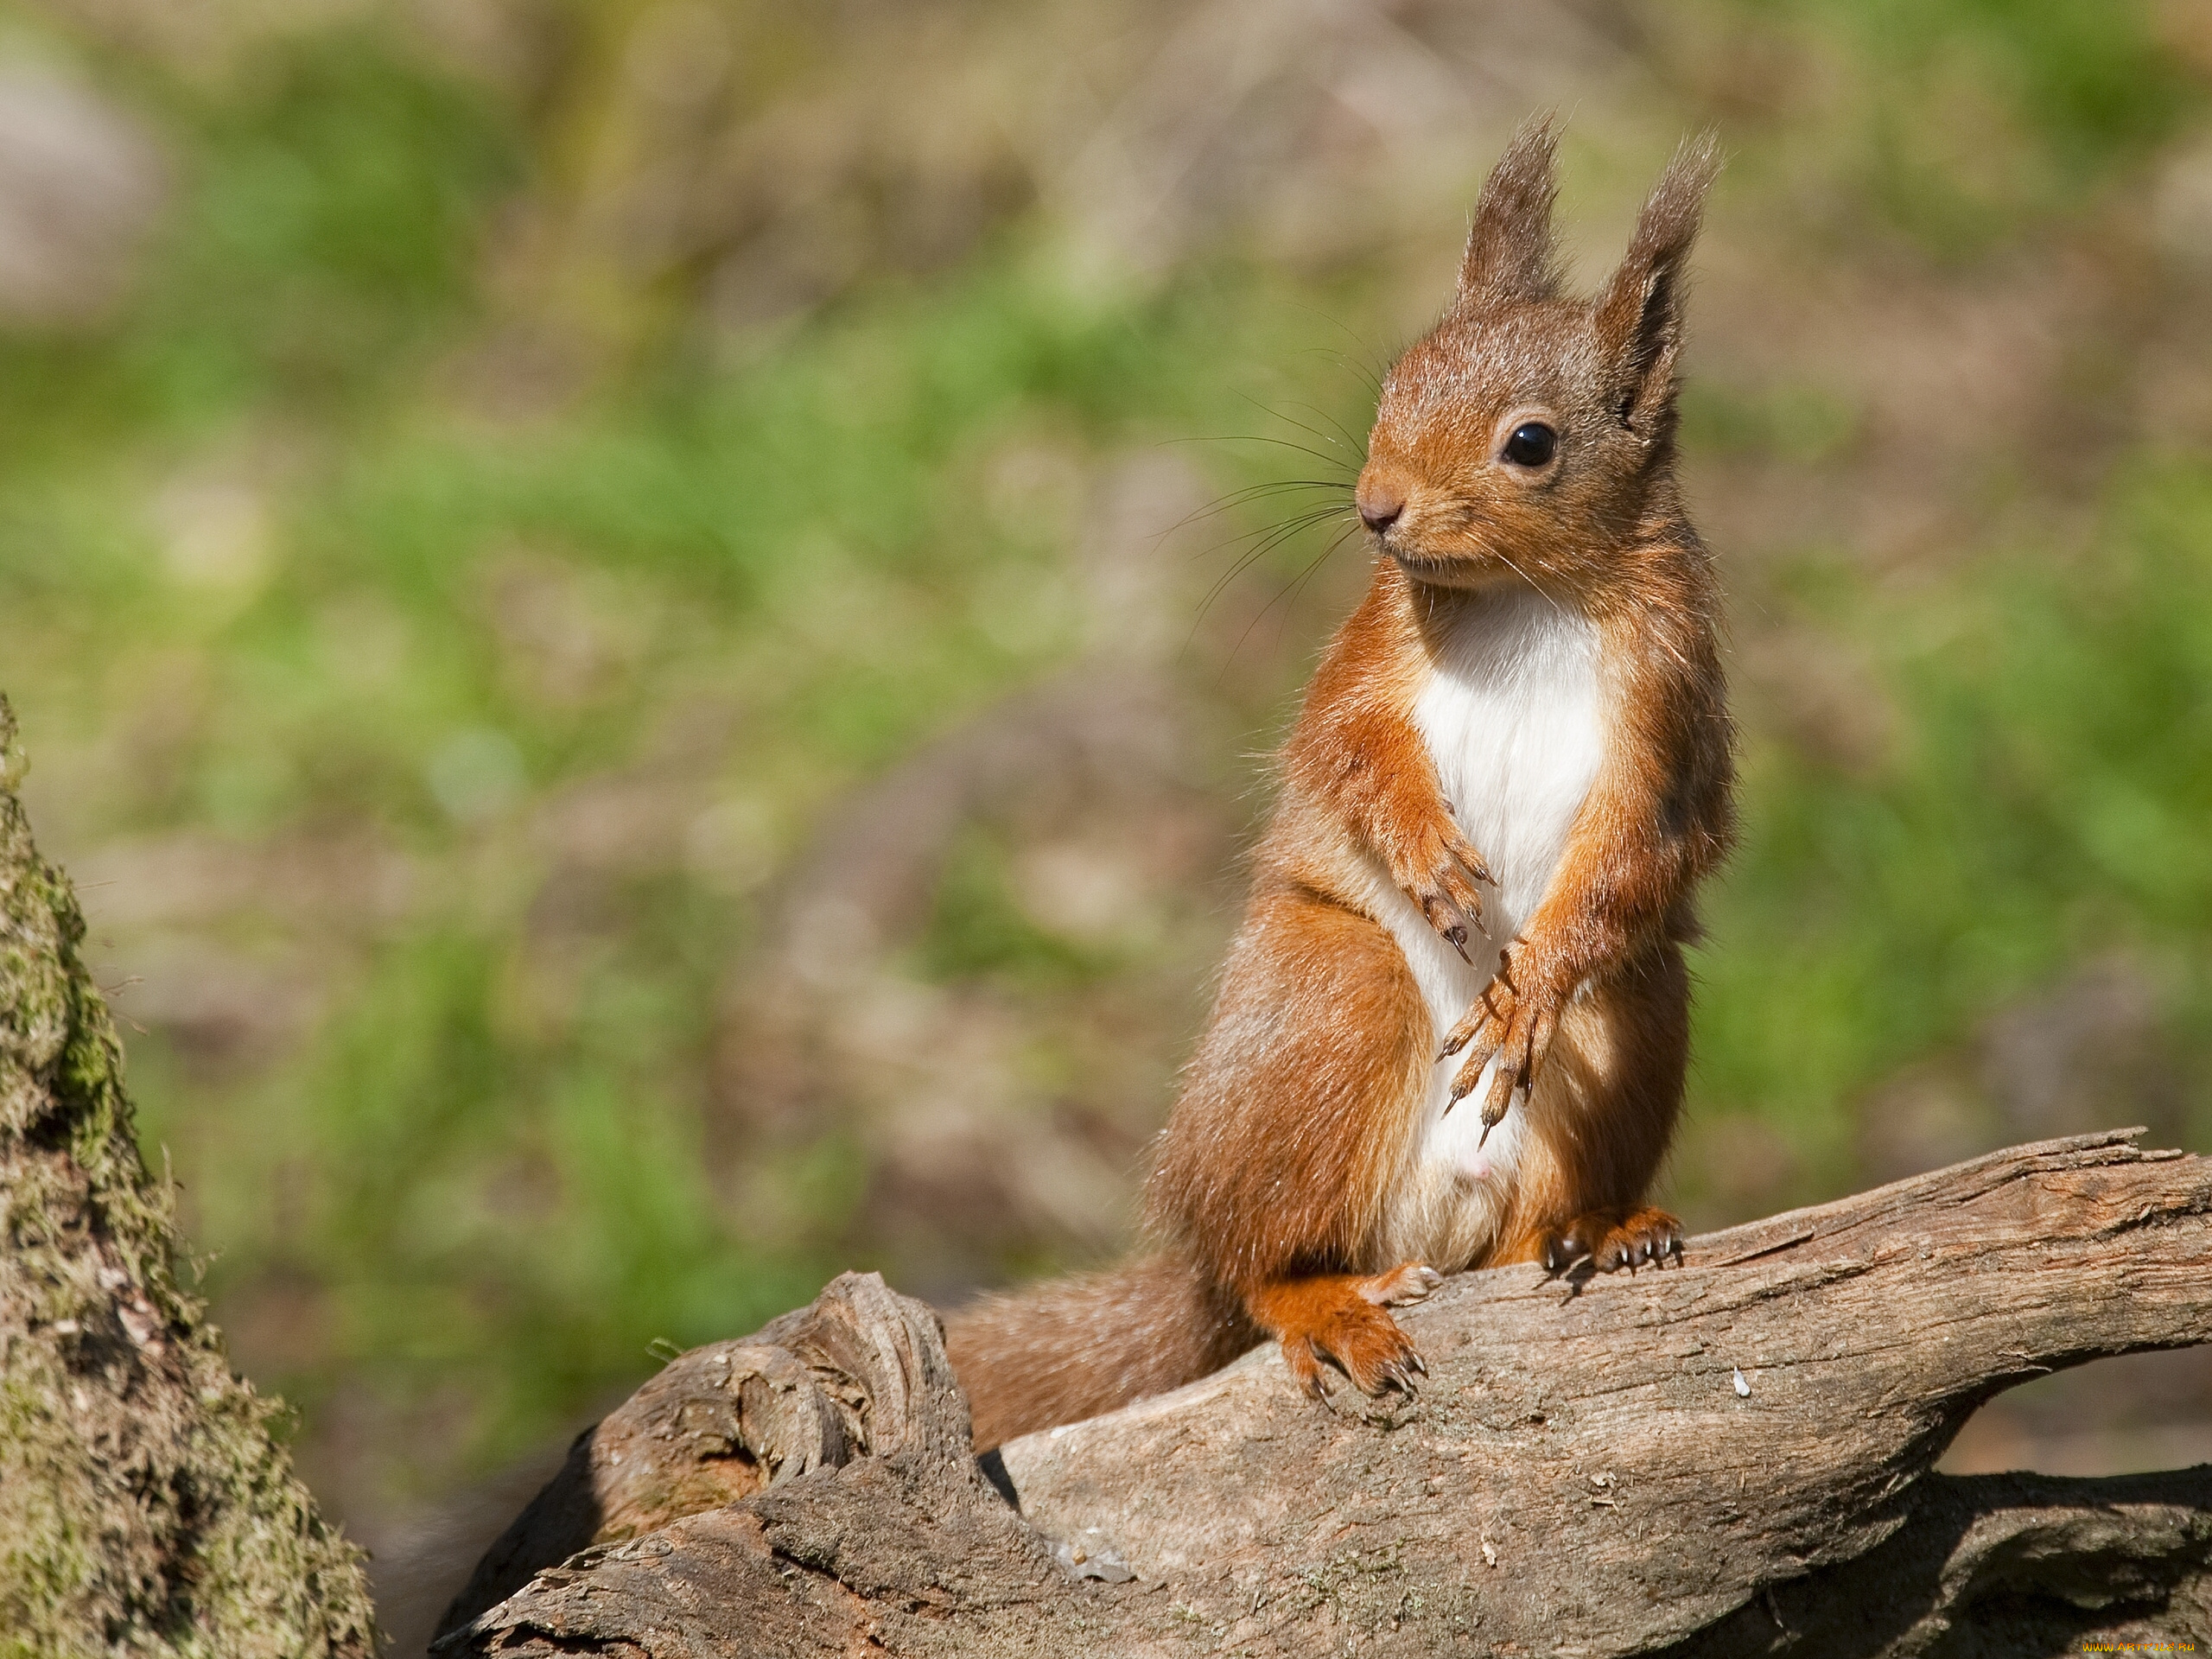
860 1373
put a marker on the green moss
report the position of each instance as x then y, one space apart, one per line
147 1504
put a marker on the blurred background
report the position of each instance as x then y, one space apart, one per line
650 627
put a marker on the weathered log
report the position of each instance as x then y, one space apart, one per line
1731 1456
147 1503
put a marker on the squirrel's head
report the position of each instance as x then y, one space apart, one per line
1521 439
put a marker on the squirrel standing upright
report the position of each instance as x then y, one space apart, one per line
1512 768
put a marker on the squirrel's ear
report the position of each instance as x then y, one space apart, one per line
1509 249
1640 314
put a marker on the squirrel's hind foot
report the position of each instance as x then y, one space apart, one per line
1344 1320
1610 1240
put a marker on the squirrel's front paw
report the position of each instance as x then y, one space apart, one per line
1511 1020
1343 1320
1439 873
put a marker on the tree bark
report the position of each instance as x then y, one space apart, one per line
146 1505
1733 1456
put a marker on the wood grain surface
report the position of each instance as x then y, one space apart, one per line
1734 1456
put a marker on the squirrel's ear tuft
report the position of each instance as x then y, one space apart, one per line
1640 314
1509 250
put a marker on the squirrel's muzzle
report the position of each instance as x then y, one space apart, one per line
1380 500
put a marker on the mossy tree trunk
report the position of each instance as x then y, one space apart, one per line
147 1504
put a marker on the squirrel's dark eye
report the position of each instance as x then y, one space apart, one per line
1532 444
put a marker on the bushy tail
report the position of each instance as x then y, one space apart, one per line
1068 1349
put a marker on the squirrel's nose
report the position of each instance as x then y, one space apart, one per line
1380 502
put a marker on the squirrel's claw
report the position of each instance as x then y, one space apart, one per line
1464 1084
1610 1240
1342 1323
1501 1097
1442 875
1559 1252
1450 917
1509 1024
1463 1034
1494 1109
1306 1366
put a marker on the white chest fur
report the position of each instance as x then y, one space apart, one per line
1514 717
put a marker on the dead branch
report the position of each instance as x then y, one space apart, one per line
1733 1457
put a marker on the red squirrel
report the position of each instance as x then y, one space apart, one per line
1452 1029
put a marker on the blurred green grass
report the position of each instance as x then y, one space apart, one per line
2045 804
257 544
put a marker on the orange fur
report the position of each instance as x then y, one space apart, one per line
1297 1106
1306 1112
1343 1318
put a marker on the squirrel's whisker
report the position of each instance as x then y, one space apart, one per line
1251 493
1290 591
1281 443
1302 425
1271 540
